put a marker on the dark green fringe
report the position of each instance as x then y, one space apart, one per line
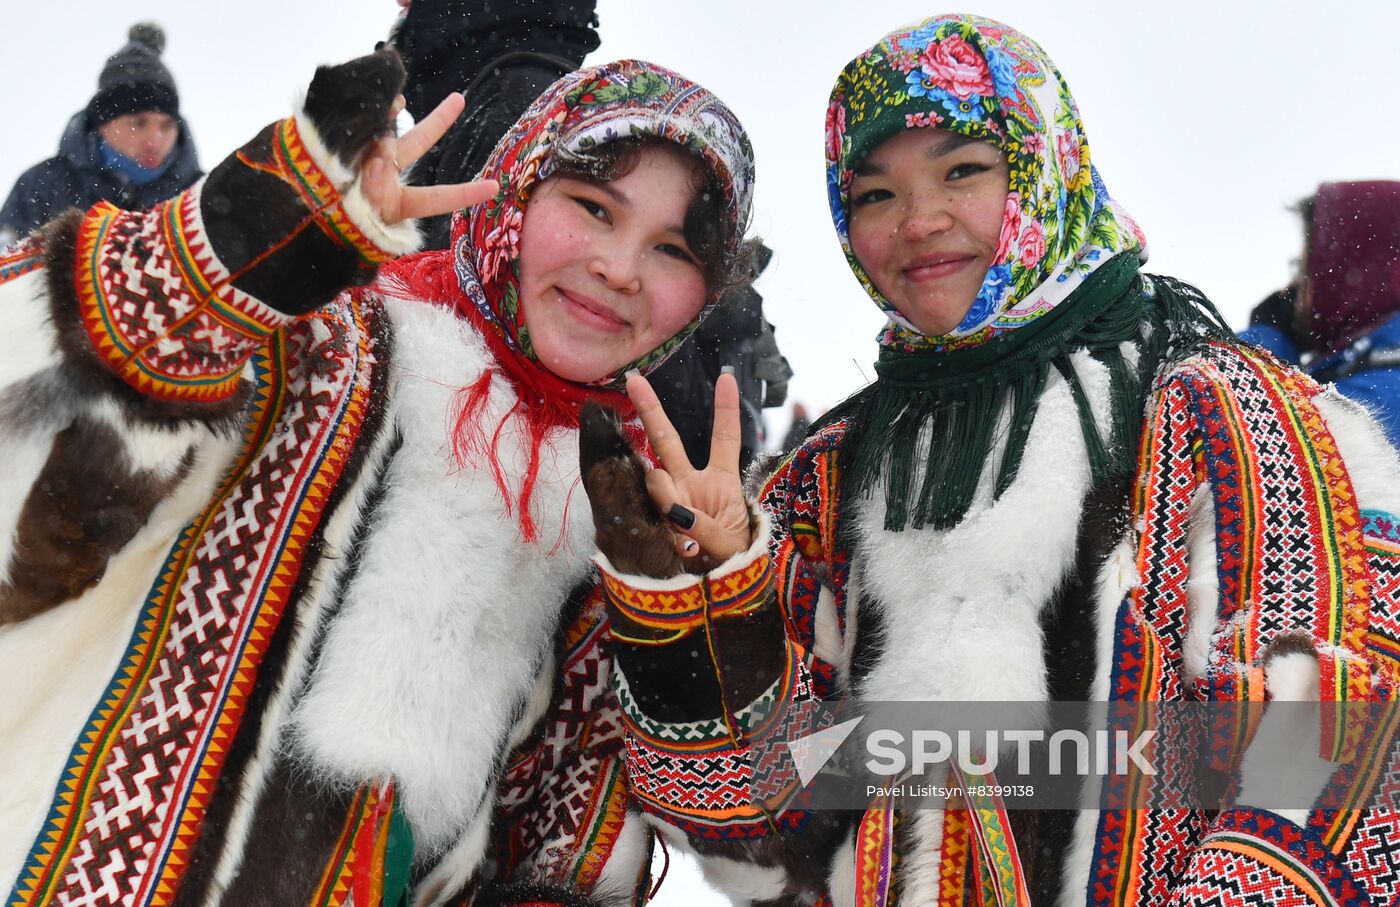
949 402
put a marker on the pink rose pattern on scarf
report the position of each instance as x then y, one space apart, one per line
983 79
955 66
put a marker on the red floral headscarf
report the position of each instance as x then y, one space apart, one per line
480 274
589 108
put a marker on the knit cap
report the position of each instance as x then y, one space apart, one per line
134 80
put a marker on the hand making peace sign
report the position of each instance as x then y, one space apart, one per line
714 496
389 156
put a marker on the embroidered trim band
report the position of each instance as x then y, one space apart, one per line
698 777
20 259
157 303
129 806
675 613
296 166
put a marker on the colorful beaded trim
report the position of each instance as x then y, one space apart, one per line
676 613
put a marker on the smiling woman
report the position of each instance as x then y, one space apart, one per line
926 223
1043 496
395 667
607 273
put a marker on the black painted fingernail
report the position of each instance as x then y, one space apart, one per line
680 516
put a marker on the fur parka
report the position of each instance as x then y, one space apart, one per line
264 639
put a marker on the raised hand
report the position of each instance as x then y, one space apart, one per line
713 497
634 515
627 527
354 105
389 156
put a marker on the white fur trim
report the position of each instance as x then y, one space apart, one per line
630 851
951 599
758 547
1202 584
1117 578
25 453
841 879
675 838
1080 861
33 348
29 428
1372 463
828 642
336 170
423 672
32 342
920 864
742 882
536 705
848 644
149 448
336 540
395 239
1297 732
458 865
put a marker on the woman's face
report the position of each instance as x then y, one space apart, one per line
606 275
926 209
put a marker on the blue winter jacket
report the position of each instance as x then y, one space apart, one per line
1367 371
75 178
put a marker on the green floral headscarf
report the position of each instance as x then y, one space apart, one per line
1064 279
985 80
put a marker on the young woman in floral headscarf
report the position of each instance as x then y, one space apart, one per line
294 608
1066 483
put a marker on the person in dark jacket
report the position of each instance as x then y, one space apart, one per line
501 56
735 336
128 146
1341 319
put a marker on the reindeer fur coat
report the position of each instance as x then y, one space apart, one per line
262 637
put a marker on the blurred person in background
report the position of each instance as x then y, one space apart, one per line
501 56
128 146
1341 318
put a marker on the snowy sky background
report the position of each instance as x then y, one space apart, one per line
1206 119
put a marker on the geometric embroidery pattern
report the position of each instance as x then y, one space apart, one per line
698 776
681 609
130 802
563 797
20 259
1234 422
875 855
998 863
1254 857
806 557
158 305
